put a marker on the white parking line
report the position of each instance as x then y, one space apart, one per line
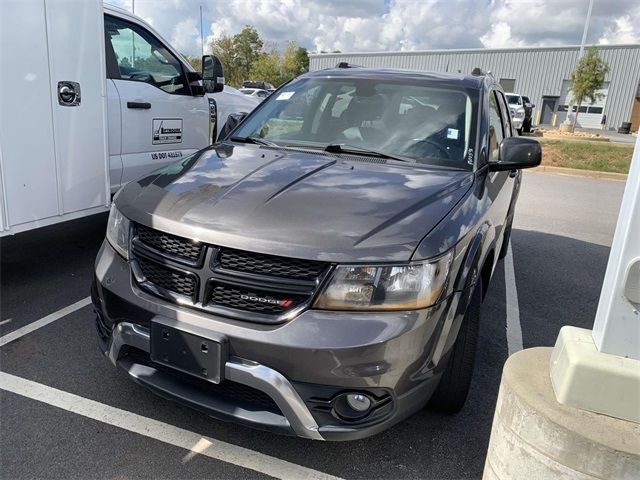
157 430
22 331
514 329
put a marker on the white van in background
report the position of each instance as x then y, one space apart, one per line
91 97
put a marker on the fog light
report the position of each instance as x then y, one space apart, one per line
358 402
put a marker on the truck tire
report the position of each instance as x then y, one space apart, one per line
452 391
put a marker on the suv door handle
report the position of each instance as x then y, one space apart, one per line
143 105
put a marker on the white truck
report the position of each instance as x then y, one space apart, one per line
92 97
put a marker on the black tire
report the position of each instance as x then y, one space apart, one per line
452 391
505 242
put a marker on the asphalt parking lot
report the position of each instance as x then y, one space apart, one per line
112 428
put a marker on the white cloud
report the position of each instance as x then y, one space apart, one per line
624 30
365 25
185 35
500 37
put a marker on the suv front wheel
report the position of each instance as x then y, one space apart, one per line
454 385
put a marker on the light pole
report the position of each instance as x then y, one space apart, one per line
569 119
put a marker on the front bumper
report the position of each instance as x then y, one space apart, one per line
301 366
517 122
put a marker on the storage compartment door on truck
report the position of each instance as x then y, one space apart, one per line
52 112
161 121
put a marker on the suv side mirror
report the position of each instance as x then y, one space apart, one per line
212 74
232 122
517 153
194 79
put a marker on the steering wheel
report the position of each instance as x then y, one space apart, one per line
439 147
142 77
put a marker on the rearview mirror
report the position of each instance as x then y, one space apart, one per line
212 74
517 153
232 122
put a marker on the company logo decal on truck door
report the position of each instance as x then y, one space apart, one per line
167 130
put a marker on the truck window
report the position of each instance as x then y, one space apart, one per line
140 57
496 129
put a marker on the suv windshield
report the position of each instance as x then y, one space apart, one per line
404 118
514 99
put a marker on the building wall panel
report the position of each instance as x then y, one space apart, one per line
538 71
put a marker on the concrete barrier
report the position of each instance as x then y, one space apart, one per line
535 437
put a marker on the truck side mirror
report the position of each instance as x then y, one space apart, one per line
232 122
517 153
212 74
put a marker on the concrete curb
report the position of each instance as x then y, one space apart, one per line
535 437
576 172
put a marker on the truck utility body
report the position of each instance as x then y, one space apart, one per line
91 97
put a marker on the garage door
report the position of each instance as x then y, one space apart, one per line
590 113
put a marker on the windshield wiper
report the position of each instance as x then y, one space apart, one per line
255 140
344 148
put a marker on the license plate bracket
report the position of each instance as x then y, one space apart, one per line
192 354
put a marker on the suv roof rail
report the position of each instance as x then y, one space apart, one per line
479 72
347 65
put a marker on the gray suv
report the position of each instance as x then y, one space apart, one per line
320 271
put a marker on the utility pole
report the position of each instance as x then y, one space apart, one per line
580 53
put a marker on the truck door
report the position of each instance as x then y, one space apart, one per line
161 121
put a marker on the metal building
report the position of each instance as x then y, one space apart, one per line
541 73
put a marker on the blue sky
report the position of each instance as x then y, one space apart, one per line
373 25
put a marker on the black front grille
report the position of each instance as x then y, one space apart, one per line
167 278
250 300
171 244
223 280
282 267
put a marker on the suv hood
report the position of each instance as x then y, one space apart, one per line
296 203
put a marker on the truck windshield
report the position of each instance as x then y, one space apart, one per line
423 122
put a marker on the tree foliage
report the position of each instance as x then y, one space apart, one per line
196 62
245 57
587 79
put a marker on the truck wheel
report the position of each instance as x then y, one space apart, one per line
453 388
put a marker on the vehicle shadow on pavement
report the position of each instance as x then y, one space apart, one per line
44 270
558 281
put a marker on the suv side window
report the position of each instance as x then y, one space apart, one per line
496 128
140 57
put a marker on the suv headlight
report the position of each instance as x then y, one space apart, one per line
118 231
391 287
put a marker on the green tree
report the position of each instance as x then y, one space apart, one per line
247 47
223 47
587 79
196 62
295 61
268 68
